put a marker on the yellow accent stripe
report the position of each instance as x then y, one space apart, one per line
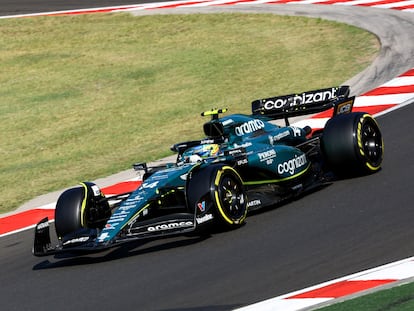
359 136
372 168
221 209
83 207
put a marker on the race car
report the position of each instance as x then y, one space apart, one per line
244 163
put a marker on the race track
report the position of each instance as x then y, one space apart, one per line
347 227
11 7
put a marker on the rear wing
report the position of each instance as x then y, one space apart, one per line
309 102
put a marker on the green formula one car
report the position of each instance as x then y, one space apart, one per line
245 163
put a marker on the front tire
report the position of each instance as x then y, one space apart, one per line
68 212
221 189
229 196
79 208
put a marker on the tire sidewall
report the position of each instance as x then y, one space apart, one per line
342 144
219 175
68 212
203 185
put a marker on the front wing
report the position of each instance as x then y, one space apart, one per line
88 240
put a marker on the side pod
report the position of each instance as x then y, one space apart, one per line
42 244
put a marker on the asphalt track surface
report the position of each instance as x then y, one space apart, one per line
15 7
347 227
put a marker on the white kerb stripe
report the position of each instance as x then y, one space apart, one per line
374 100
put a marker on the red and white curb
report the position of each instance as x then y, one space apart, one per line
387 97
339 288
406 6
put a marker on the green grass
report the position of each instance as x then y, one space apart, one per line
82 97
400 298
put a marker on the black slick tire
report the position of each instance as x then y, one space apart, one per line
352 144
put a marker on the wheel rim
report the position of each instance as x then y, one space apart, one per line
232 197
372 143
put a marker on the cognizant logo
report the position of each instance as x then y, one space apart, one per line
291 165
300 99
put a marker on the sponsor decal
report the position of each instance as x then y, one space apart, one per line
136 198
297 132
242 162
203 219
207 141
291 165
300 99
116 220
267 156
234 152
243 145
118 217
159 176
201 206
249 127
131 202
227 122
170 226
77 240
254 203
126 207
42 225
278 137
96 191
345 107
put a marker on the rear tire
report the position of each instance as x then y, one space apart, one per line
352 144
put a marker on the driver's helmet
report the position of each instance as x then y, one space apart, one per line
200 152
